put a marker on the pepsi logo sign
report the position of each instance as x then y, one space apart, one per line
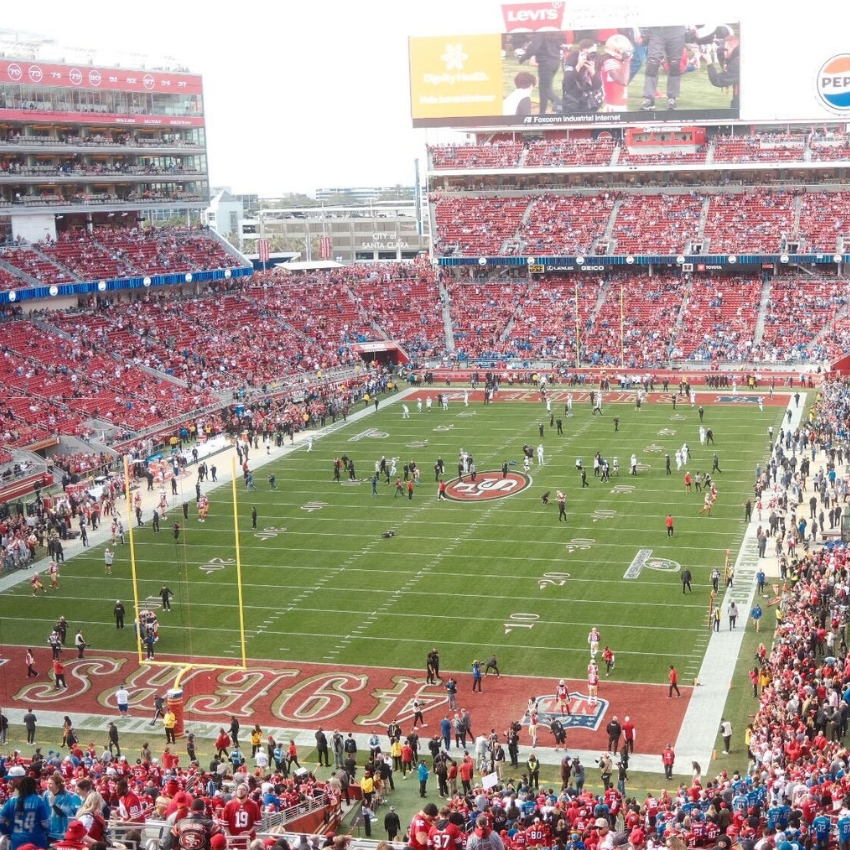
487 486
833 83
14 71
36 74
94 77
75 76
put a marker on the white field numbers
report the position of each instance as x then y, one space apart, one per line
552 580
521 621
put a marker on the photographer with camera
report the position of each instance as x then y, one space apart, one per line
80 643
582 88
606 768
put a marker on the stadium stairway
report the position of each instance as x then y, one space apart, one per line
445 298
55 263
26 280
758 333
703 220
612 219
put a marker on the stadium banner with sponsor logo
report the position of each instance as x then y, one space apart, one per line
533 16
29 74
537 75
728 68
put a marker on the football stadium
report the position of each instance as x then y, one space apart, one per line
536 492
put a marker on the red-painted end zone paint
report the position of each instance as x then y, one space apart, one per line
357 699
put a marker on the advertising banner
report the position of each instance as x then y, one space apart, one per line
596 76
531 75
87 77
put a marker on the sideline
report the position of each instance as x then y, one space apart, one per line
700 729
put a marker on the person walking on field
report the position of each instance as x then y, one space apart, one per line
673 678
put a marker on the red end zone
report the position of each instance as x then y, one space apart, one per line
356 699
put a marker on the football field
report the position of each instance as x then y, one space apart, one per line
489 570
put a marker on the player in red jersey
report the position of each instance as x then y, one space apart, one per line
420 826
242 815
444 835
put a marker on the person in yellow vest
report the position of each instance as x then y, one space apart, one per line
256 739
367 786
395 753
169 722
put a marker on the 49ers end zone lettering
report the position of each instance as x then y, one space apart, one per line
487 486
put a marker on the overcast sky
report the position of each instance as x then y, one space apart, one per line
298 95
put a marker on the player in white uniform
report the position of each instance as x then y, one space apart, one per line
428 403
563 696
761 404
678 460
466 398
592 682
701 435
569 407
540 459
526 463
419 405
405 412
593 639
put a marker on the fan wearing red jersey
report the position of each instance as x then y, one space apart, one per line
242 815
130 808
444 835
537 834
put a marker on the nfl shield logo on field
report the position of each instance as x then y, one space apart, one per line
584 714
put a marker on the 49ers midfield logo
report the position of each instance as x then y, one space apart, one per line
487 486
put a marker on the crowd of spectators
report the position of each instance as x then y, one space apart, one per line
756 147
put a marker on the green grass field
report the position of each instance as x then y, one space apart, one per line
469 578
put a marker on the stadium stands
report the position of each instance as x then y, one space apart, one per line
750 222
719 319
660 224
474 226
565 224
797 311
480 317
567 153
496 155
